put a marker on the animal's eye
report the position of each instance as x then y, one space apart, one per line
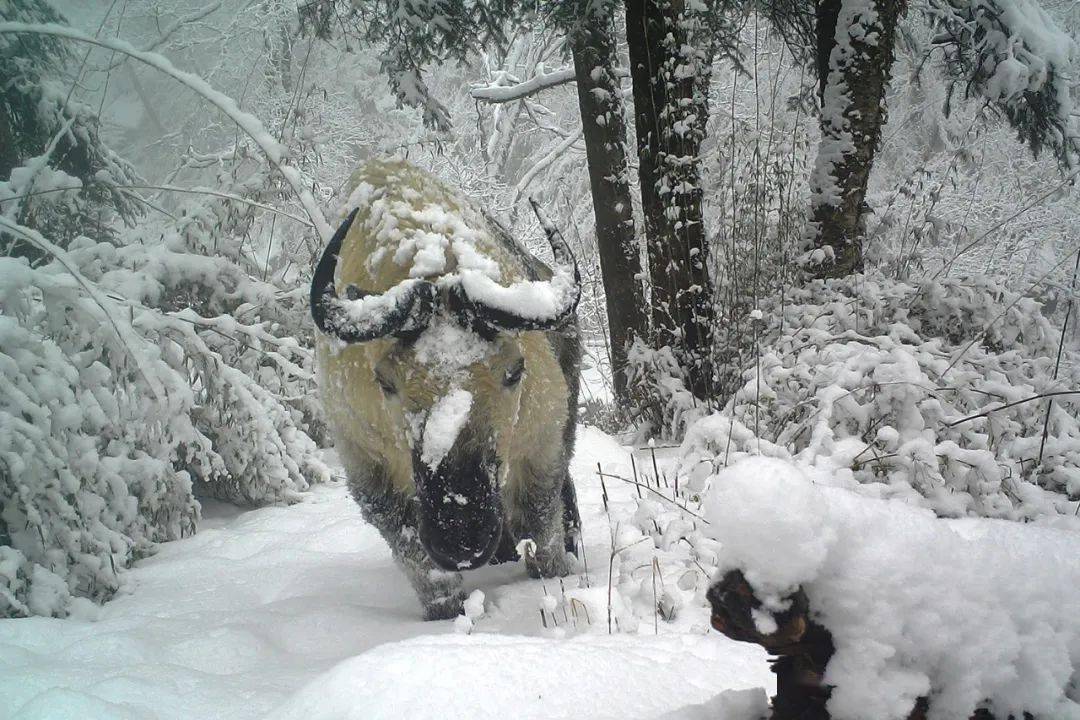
386 385
513 375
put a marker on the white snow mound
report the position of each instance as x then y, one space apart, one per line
497 676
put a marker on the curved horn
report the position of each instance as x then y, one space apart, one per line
488 307
402 310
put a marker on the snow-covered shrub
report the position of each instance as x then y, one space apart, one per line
86 485
664 406
888 389
100 453
142 366
927 392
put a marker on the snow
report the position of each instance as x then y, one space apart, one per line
300 611
750 704
498 676
962 611
448 348
532 300
447 418
422 224
474 605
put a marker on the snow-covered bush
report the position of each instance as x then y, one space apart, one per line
656 378
929 392
105 435
86 485
142 365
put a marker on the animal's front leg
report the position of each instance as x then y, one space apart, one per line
542 518
439 591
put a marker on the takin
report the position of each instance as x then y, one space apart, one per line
448 362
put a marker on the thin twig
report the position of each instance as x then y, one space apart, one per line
1013 404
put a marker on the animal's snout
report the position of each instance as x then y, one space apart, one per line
460 509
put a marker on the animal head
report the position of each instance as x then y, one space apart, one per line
435 370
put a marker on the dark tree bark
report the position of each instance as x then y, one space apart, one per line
670 108
854 59
604 127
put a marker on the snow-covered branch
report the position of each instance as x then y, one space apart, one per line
247 122
124 331
171 30
498 94
544 162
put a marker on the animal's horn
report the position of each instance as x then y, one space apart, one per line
402 310
528 305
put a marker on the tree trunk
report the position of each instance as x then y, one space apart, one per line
604 128
854 57
670 109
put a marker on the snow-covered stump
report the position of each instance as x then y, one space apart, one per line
801 646
877 610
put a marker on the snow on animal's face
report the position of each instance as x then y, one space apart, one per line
418 379
458 429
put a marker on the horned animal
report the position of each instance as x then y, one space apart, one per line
448 361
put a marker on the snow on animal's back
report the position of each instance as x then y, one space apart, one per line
410 224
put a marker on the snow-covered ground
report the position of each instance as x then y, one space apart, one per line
299 612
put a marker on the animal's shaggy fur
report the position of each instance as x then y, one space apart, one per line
374 392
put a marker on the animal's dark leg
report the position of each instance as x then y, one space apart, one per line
543 516
394 516
507 550
571 517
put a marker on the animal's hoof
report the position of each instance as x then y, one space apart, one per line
445 608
